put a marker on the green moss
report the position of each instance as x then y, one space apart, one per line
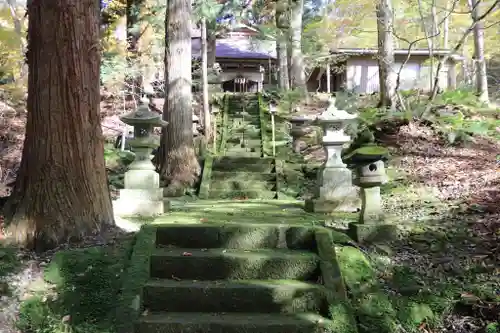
263 113
367 153
206 177
356 269
224 125
339 308
129 304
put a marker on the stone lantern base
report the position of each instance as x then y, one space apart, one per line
336 194
142 195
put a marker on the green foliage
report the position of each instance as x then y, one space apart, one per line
459 97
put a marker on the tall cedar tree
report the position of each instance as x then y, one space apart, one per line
61 192
179 165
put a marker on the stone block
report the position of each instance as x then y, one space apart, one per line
138 207
329 206
143 202
141 179
373 232
151 194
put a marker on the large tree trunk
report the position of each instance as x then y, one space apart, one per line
480 62
386 54
61 192
297 73
179 165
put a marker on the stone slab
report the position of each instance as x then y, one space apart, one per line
145 208
328 206
373 232
141 194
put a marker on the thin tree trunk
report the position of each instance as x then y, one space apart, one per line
211 46
61 192
134 79
282 26
429 37
385 59
479 60
297 72
446 26
18 27
204 78
179 165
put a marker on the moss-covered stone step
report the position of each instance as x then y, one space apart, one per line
243 185
254 296
232 323
252 164
237 151
243 176
237 236
221 264
242 194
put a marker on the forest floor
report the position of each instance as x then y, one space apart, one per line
445 196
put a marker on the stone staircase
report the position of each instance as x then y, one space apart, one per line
242 170
243 136
244 178
236 278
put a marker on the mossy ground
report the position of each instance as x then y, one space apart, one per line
79 293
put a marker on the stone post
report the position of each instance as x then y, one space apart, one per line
370 174
142 194
298 131
335 191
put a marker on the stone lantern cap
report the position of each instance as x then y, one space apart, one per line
334 115
143 116
366 155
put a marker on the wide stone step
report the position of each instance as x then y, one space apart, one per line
243 185
232 323
237 236
253 164
252 296
221 264
242 176
249 193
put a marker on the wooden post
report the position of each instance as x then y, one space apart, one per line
328 78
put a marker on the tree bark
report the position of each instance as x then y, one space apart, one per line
297 73
386 54
204 77
61 191
480 62
179 165
282 26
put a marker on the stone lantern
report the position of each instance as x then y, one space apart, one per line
335 192
142 194
299 130
369 175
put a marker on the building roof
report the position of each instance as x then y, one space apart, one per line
421 52
239 48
